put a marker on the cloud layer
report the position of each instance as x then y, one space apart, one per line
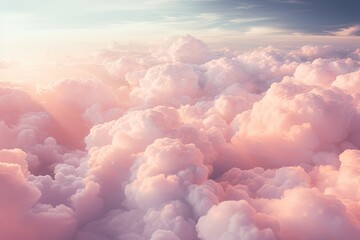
184 142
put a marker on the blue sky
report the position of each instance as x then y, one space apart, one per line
303 16
49 22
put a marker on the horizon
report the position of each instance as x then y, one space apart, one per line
39 28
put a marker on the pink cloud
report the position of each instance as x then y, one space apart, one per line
347 31
185 142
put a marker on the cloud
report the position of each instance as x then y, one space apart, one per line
308 213
264 30
246 6
182 141
347 31
247 20
234 220
290 1
211 17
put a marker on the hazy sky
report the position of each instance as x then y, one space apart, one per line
84 24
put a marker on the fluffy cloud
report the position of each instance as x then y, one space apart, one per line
292 122
306 213
235 220
185 142
185 49
322 72
173 83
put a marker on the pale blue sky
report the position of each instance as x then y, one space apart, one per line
86 23
305 16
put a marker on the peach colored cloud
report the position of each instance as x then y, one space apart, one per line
185 142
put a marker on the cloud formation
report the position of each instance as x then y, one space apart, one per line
347 31
186 142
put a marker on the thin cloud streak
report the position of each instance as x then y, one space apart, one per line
347 31
248 20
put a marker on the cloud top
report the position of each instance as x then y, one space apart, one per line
186 142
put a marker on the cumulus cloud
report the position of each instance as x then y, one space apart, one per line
184 142
235 220
185 49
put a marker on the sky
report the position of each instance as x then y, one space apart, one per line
39 26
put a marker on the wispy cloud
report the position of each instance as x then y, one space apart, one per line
247 20
347 31
289 1
209 16
247 6
266 31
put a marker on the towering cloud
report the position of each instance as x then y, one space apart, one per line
184 142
